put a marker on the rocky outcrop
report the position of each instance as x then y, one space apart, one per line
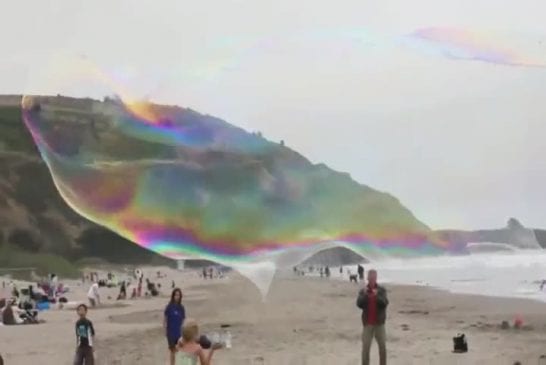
513 234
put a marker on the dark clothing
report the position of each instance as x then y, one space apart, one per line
360 270
377 311
175 314
172 342
84 355
8 317
84 333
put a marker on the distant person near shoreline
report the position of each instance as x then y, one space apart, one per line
360 270
373 301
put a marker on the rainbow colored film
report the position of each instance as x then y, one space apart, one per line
186 185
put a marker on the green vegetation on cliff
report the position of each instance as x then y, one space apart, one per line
35 219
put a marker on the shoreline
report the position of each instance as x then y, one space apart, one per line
301 320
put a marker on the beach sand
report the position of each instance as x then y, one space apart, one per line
302 321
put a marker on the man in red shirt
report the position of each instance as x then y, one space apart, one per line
373 301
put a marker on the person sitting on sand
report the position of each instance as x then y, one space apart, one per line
93 294
12 314
373 302
174 317
189 350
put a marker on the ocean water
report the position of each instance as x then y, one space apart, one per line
511 274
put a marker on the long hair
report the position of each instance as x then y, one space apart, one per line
173 294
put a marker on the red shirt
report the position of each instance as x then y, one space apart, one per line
371 318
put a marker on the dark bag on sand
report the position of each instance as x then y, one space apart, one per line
459 343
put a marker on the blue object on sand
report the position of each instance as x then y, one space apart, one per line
42 306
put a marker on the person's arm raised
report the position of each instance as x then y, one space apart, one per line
204 359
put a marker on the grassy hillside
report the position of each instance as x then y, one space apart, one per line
34 219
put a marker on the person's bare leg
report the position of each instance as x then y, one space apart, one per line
367 336
381 338
171 357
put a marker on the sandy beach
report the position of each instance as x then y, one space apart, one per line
302 321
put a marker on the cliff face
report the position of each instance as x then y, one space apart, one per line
33 216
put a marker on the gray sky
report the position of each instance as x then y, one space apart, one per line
458 142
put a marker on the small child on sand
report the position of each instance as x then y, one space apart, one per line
85 333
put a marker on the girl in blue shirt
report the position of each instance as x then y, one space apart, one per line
173 321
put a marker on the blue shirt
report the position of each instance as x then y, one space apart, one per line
175 314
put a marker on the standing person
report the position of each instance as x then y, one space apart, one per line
373 301
54 285
85 333
139 287
93 294
360 270
174 317
122 291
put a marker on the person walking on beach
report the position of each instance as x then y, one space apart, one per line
175 314
373 301
85 333
360 270
93 294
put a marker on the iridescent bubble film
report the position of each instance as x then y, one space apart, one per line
187 185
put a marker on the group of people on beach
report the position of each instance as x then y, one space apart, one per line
212 273
21 306
143 287
186 346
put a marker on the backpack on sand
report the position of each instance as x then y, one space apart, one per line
459 343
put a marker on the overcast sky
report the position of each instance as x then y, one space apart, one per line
461 143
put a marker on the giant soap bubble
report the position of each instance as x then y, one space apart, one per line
189 186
